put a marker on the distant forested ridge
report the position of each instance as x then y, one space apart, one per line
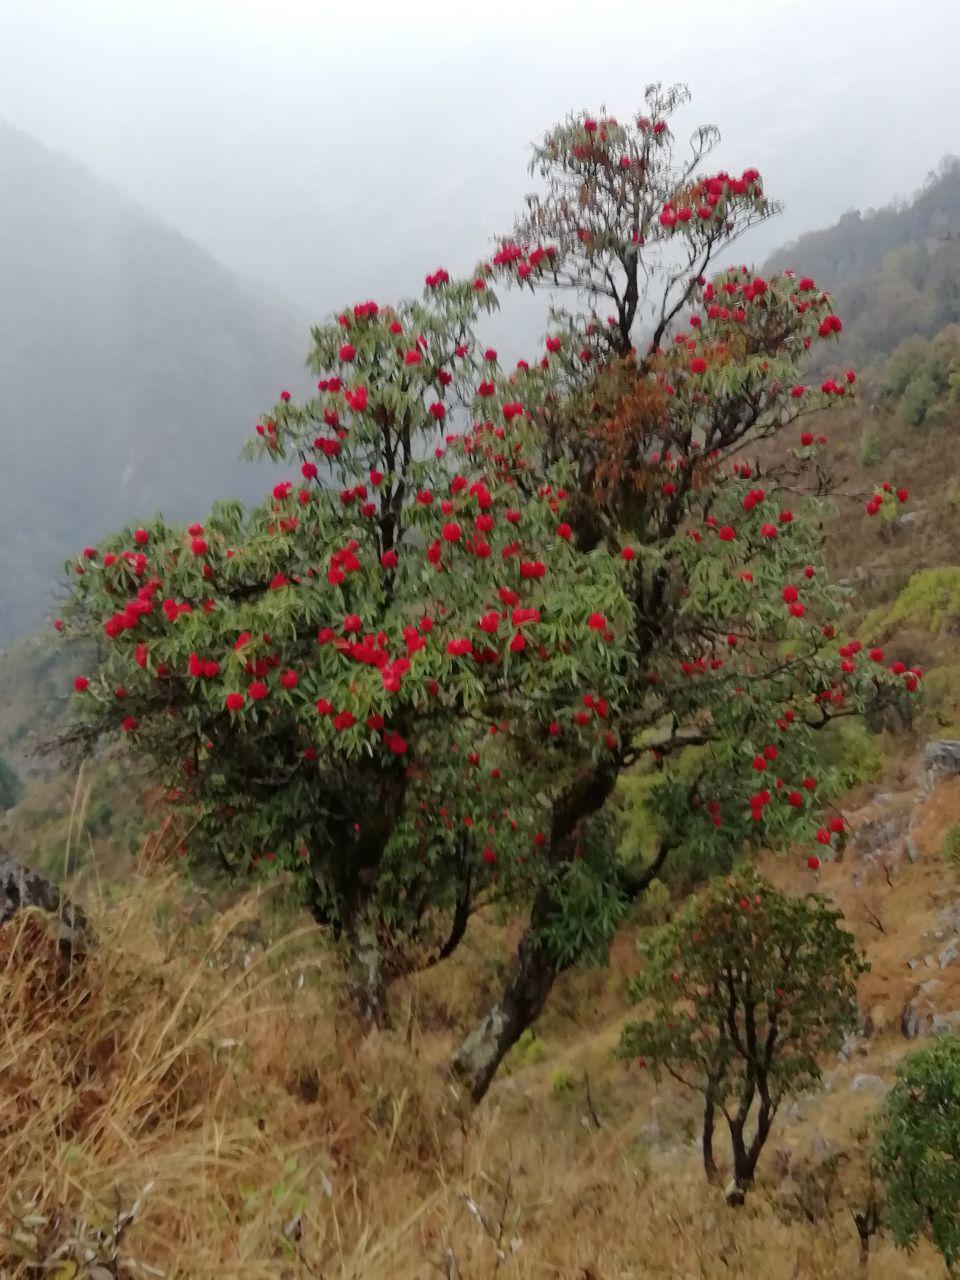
894 271
132 368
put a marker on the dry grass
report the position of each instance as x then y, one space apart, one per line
188 1101
185 1102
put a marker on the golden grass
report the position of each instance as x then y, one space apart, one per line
189 1102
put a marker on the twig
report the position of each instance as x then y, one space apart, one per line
590 1107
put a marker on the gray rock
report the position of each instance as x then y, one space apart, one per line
913 852
847 1048
914 1022
949 952
913 964
878 833
22 887
867 1084
941 760
946 1024
820 1146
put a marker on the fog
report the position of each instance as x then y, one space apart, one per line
333 151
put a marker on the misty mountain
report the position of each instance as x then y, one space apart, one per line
132 368
895 271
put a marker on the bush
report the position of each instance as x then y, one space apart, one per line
905 365
654 906
950 847
853 754
930 599
562 1081
746 989
918 399
869 448
530 1050
918 1150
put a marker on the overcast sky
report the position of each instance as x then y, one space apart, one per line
340 150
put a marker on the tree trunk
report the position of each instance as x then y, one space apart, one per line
866 1221
534 972
737 1187
366 971
745 1158
709 1116
478 1057
345 883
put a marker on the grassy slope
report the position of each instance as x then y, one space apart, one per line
207 1070
203 1070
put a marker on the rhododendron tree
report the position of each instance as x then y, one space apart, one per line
633 222
328 681
476 596
745 991
918 1148
737 644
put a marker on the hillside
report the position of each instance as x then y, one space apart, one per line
132 366
194 1098
218 1096
894 271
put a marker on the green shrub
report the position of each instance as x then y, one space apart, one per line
918 1149
937 416
950 847
918 399
931 598
529 1050
905 364
869 448
654 906
562 1080
853 754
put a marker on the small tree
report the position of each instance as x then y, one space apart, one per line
918 1150
747 988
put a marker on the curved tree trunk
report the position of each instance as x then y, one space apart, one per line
477 1059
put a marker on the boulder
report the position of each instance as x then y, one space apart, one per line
20 887
941 760
867 1084
878 1021
878 834
914 1021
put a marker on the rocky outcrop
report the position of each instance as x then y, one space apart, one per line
21 887
941 759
